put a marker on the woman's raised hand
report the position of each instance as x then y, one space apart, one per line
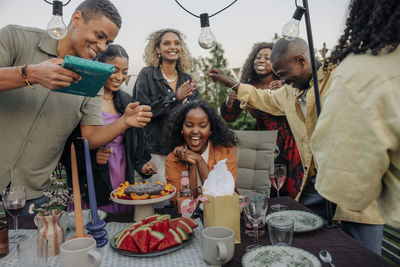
185 90
232 97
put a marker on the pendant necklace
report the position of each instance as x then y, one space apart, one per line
108 98
169 80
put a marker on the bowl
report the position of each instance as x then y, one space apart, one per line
87 217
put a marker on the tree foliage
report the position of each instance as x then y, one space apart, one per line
215 93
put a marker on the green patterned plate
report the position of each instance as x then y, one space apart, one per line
303 221
279 256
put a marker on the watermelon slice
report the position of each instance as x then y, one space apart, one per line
150 218
141 236
185 227
127 243
184 236
172 239
155 239
192 223
130 228
161 226
174 223
164 216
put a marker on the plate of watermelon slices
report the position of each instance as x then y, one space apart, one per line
154 236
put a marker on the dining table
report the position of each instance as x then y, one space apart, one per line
345 250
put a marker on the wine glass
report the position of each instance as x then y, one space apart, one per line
277 179
14 199
255 208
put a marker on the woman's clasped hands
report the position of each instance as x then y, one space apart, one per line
186 155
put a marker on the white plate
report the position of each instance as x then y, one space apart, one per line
277 256
303 221
143 201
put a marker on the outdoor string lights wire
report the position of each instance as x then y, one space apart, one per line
206 38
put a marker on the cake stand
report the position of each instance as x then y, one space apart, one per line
143 207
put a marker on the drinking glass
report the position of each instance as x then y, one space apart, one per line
14 199
255 208
280 230
277 179
33 252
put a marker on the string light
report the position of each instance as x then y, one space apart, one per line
207 38
290 30
56 27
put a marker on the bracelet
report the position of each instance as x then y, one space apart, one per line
233 86
22 71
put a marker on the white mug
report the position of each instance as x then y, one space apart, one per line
80 252
217 245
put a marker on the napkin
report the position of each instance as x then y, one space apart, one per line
220 181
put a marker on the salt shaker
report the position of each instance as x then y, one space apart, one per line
3 238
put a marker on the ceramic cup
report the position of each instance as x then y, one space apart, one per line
80 252
217 245
33 252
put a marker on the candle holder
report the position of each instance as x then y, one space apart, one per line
96 226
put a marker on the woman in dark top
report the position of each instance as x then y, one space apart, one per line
163 85
258 72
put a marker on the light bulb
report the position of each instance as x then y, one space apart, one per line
206 38
56 27
290 30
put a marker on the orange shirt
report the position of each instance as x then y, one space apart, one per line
174 167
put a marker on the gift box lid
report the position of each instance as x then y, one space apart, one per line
94 75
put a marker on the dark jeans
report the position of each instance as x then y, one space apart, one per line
369 235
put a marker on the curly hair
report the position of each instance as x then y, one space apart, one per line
113 50
154 40
248 74
372 26
93 8
220 134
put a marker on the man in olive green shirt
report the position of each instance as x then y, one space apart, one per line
35 123
356 140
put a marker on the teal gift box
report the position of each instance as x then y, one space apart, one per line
94 74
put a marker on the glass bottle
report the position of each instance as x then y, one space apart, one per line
3 238
185 194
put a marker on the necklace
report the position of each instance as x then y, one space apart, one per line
169 80
108 98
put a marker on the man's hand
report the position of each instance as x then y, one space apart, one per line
149 168
103 155
51 75
219 76
137 115
185 90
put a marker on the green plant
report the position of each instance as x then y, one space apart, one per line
58 196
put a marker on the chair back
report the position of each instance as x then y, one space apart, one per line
255 154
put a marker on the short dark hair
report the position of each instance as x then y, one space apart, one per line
220 134
372 26
113 50
92 8
248 73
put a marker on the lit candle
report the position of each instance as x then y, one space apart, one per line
90 183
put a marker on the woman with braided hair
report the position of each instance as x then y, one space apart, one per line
356 140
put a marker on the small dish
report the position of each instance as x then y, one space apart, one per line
303 221
87 217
